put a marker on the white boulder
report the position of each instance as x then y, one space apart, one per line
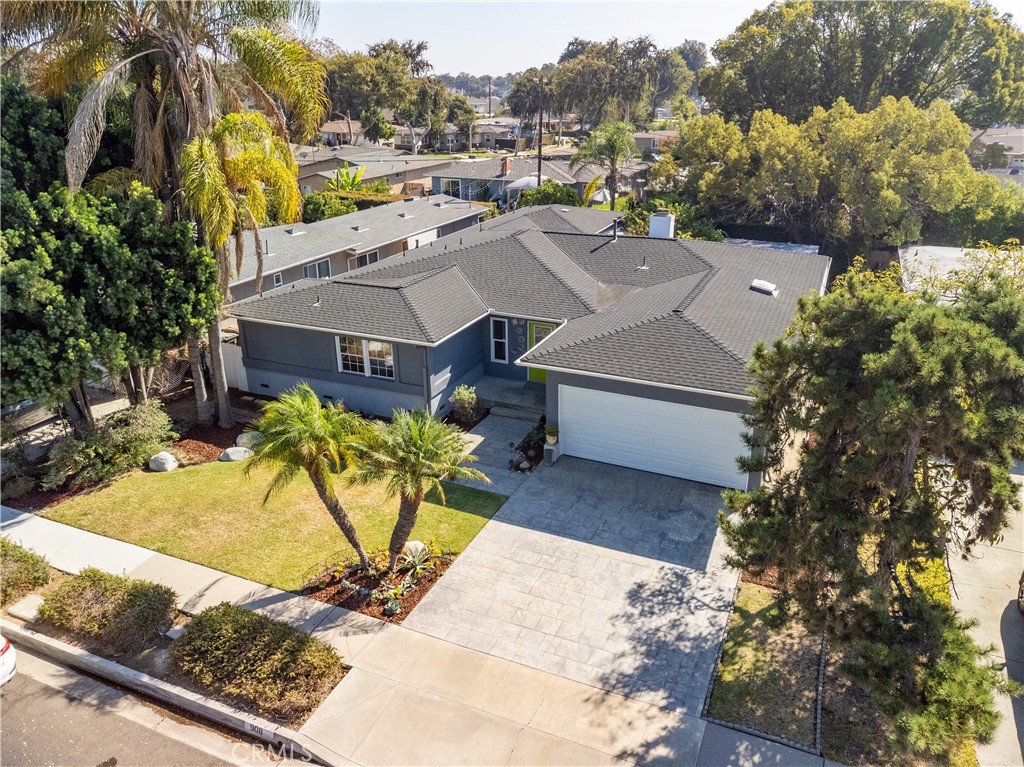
248 439
236 454
163 461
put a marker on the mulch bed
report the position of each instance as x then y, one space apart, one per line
327 588
37 500
769 579
482 413
208 442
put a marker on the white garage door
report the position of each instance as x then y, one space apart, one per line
663 437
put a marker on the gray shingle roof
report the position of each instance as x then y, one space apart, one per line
556 218
294 244
491 168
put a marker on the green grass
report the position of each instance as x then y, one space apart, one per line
767 678
214 515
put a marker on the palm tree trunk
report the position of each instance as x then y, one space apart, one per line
339 515
408 509
203 413
220 382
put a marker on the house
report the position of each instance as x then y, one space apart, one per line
486 106
920 264
336 245
486 136
401 170
557 218
487 179
336 132
637 347
653 141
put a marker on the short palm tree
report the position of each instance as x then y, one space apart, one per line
412 454
298 434
609 147
345 180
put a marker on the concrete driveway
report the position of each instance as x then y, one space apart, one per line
604 575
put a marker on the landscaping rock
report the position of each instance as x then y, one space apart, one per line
163 461
248 439
236 454
525 465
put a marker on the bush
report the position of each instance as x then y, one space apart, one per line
322 205
279 670
124 614
465 405
121 442
21 571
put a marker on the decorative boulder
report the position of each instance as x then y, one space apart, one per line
414 549
236 454
163 461
525 465
248 439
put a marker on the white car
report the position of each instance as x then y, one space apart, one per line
8 661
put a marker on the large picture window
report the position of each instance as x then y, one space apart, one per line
321 269
368 358
451 187
364 260
499 340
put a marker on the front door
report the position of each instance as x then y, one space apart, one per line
538 332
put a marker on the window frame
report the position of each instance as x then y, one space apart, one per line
374 253
458 184
315 266
364 360
494 341
278 279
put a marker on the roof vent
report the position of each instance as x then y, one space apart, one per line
360 228
295 230
643 267
404 214
409 199
439 204
763 286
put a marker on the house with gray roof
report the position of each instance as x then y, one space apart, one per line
488 179
635 347
557 218
327 248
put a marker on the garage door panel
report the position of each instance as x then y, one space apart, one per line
663 437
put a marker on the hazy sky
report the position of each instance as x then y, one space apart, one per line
484 37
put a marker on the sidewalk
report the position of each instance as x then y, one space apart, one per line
414 699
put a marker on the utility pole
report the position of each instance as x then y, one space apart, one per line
540 129
490 112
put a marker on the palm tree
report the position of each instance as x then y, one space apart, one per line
297 435
610 147
412 453
230 176
184 61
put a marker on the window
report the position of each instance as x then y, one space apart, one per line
321 269
278 280
451 187
367 258
368 358
499 340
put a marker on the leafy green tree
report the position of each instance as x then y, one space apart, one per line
376 127
610 147
716 161
695 54
794 56
31 139
689 224
412 453
358 84
320 205
344 179
414 52
299 435
987 155
885 426
550 192
990 211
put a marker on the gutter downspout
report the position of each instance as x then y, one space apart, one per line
428 395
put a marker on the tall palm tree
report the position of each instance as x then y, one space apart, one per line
230 176
185 62
298 434
610 147
412 453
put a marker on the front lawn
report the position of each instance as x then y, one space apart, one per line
213 514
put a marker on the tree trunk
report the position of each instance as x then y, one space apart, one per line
613 186
408 509
225 420
204 415
78 411
348 119
338 514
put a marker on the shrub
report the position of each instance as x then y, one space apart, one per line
465 404
322 205
279 670
124 614
21 571
125 440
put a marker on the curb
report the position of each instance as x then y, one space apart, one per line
165 692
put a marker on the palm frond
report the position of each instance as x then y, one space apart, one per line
116 180
205 189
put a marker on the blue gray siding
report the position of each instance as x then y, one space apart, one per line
518 340
459 360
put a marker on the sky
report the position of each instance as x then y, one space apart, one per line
495 37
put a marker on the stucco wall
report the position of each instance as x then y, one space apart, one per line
518 335
459 360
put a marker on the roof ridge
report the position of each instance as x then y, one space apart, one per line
540 260
696 289
412 307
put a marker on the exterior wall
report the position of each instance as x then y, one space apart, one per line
459 360
712 402
276 358
518 343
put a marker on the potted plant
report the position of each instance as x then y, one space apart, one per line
551 433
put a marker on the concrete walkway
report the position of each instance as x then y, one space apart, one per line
493 442
986 590
413 699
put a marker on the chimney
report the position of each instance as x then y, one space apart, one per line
506 165
662 224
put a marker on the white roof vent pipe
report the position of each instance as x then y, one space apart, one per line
763 286
663 225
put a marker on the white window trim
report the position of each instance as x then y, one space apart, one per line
278 279
316 267
374 253
507 355
366 359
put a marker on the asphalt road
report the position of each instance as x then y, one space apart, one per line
42 725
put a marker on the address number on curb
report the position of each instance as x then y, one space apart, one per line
255 729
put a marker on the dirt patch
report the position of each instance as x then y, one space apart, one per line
207 442
469 425
354 589
37 500
769 578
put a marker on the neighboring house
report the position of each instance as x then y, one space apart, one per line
629 174
653 141
486 136
336 132
336 245
640 345
485 106
487 179
556 218
400 170
924 263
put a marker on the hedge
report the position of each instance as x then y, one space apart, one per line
21 571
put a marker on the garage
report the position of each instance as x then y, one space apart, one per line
669 438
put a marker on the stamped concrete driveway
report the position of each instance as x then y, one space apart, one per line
600 574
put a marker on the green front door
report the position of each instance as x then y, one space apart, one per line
538 332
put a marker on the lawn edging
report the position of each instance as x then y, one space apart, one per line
200 705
